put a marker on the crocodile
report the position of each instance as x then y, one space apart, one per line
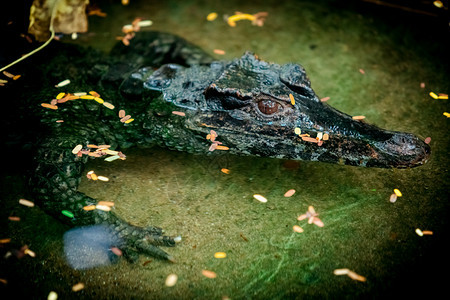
180 98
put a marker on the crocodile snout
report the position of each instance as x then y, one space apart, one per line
403 150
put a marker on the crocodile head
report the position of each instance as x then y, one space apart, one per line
247 103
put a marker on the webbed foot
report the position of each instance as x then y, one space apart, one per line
138 240
98 245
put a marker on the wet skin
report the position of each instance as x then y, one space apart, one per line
245 102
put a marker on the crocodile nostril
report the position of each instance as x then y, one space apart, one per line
405 144
406 149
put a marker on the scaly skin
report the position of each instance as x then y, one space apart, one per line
245 102
58 171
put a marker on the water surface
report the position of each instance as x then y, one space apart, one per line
189 196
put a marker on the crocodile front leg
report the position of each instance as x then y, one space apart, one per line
58 171
55 182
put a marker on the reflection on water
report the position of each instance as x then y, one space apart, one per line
90 246
215 212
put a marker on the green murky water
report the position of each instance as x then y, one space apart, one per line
189 196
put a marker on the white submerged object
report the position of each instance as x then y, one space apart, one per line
145 23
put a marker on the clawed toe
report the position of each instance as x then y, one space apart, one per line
147 241
159 240
153 230
145 247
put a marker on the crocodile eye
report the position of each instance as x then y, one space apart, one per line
268 107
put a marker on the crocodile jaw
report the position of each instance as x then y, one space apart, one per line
370 147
